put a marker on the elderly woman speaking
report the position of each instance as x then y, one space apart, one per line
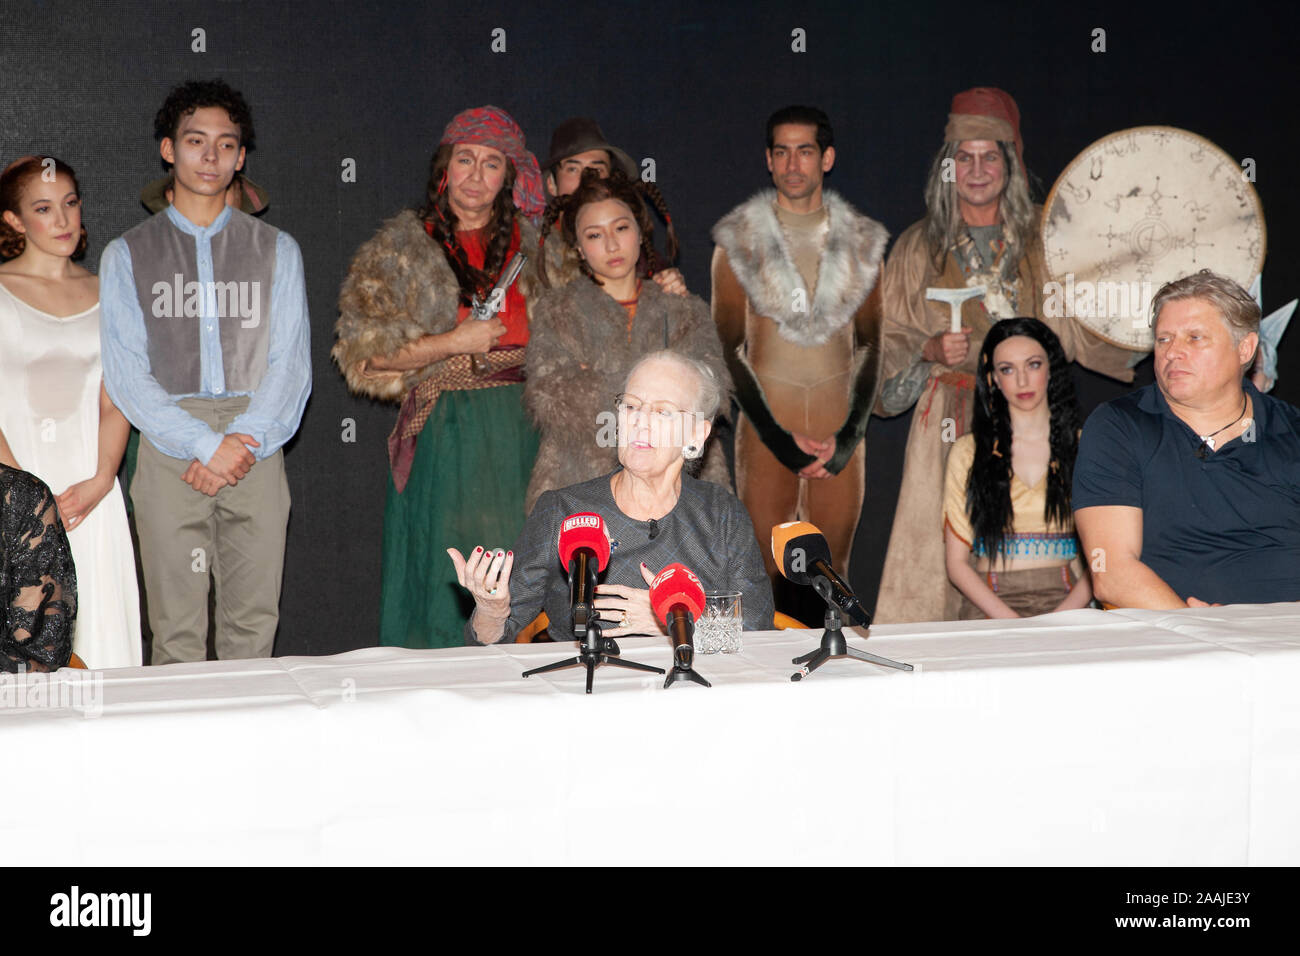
654 515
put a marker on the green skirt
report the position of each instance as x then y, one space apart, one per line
472 463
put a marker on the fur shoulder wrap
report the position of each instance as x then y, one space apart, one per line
759 255
561 261
399 287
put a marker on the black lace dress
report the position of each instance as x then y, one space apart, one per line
38 582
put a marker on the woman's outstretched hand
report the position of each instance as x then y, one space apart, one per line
486 575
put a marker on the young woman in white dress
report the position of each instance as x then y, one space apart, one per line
56 420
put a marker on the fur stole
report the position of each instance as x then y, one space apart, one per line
760 257
561 261
399 287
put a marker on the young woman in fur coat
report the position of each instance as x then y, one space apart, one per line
587 335
404 335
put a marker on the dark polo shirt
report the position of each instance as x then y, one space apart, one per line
1225 529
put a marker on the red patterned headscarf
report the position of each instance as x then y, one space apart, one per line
493 126
985 112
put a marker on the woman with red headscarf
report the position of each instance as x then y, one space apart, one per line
462 450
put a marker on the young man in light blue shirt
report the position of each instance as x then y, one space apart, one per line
205 340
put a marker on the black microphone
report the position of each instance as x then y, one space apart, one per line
654 529
681 630
801 552
584 552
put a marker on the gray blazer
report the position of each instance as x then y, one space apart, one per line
708 530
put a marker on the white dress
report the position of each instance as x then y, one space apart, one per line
49 412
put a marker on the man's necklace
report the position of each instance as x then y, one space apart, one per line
1207 441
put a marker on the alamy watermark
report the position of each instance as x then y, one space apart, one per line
76 907
181 299
82 691
1099 300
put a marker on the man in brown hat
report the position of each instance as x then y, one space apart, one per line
579 144
981 229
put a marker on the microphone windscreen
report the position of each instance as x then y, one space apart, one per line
584 530
795 546
676 584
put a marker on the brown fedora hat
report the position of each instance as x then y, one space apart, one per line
579 134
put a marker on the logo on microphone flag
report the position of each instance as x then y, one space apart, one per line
581 521
669 572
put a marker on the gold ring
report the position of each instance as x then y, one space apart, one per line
623 622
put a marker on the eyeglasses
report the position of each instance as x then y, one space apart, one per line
628 404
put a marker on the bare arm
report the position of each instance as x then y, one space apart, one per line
1112 539
6 454
114 430
80 499
969 581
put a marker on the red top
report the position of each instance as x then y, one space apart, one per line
515 311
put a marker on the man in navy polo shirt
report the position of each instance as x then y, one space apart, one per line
1187 491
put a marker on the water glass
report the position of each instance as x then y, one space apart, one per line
719 627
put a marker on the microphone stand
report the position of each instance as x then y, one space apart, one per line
685 671
595 649
683 654
833 643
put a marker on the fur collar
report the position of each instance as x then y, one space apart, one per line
560 260
398 288
759 255
655 307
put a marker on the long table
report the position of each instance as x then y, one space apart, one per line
1085 737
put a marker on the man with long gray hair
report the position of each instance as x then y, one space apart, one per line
977 254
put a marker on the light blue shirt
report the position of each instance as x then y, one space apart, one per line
275 409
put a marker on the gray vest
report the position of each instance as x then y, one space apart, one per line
165 262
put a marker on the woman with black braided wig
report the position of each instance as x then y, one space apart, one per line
1007 495
587 334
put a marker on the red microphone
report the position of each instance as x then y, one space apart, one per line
678 600
584 552
584 530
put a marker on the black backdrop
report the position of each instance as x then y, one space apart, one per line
688 84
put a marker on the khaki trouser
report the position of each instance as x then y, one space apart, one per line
238 534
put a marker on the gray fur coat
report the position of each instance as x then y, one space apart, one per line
579 354
398 288
561 261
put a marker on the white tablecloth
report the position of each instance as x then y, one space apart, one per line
1085 737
